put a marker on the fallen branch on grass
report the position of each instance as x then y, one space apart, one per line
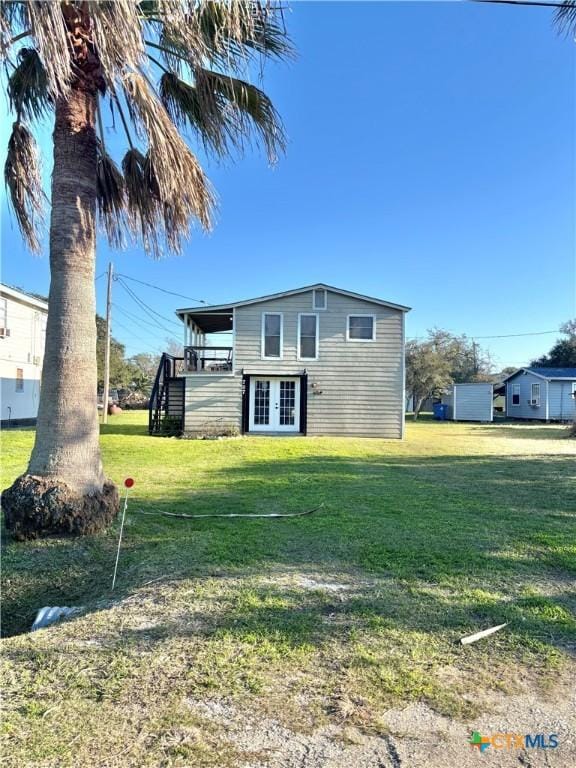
232 514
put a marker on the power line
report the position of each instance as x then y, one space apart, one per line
513 335
147 309
157 288
146 342
132 317
522 2
499 336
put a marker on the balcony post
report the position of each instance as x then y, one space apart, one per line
185 330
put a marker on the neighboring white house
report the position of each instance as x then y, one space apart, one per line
470 402
22 338
316 360
541 393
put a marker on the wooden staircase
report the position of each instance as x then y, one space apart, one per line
166 409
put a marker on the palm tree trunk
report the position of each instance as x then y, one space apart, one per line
66 455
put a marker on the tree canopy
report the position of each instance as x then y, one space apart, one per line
563 352
442 359
166 71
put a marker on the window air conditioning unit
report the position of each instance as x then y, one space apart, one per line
533 402
4 333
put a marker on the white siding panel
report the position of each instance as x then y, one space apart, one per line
471 402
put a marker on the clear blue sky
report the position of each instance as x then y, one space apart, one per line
430 162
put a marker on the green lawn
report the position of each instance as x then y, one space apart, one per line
351 610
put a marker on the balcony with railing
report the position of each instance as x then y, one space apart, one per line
208 338
206 360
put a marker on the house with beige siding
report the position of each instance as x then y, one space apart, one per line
316 360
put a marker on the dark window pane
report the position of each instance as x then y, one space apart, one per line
287 403
272 325
308 325
308 346
361 327
272 346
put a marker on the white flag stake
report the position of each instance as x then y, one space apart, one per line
129 482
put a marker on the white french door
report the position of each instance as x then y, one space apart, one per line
274 404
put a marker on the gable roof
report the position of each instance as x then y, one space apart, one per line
32 299
283 294
547 373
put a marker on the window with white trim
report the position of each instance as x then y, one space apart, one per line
361 328
307 337
320 298
272 335
515 394
535 395
19 379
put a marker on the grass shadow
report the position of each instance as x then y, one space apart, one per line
531 431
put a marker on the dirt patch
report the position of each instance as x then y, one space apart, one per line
323 586
41 506
411 737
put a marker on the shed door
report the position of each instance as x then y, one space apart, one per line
274 405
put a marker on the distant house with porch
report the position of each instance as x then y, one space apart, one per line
23 319
316 360
545 394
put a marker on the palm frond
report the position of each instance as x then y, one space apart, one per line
161 191
143 206
23 181
232 28
5 34
184 105
177 26
228 34
28 86
117 35
13 20
52 43
173 171
174 52
565 18
220 23
225 111
111 199
252 110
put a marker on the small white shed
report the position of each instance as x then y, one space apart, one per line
470 402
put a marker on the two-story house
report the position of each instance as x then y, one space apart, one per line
316 361
22 338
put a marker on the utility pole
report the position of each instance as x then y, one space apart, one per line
107 352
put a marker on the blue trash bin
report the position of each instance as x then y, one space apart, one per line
440 411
